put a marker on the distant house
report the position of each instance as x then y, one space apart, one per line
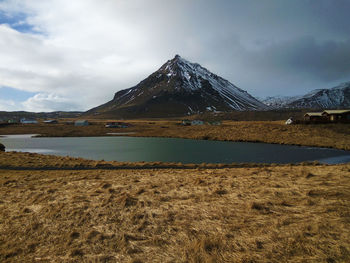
117 125
337 115
111 125
217 123
197 122
186 122
81 123
289 121
50 121
28 121
313 116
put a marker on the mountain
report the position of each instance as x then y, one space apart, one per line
277 102
17 115
178 88
334 98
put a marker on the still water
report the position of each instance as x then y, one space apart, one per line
136 149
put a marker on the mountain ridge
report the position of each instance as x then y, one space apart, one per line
333 98
179 87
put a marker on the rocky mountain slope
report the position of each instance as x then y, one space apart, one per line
334 98
277 102
179 87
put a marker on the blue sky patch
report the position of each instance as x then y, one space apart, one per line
17 22
7 93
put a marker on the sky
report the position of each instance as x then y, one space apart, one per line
74 55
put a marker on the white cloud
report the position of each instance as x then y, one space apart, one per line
43 102
87 50
81 52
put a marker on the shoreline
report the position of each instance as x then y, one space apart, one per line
116 164
36 161
60 208
335 136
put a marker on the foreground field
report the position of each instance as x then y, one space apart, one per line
62 209
258 214
323 135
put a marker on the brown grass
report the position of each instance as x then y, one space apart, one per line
262 214
323 135
62 209
35 161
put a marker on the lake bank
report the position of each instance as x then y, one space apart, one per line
56 209
36 161
275 213
187 151
320 135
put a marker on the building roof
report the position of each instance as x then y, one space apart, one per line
313 114
335 111
28 119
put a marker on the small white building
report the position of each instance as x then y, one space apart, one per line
289 121
28 121
197 122
81 123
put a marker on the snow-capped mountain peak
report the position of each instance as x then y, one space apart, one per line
181 87
336 97
194 77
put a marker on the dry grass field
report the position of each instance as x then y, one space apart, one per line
323 135
62 209
258 214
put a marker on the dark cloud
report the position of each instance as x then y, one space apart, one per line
326 61
275 47
265 47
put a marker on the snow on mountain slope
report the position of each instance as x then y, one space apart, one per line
337 97
192 75
277 102
180 87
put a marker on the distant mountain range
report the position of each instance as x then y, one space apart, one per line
177 88
180 88
334 98
17 115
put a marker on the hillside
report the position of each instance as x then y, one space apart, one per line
334 98
178 88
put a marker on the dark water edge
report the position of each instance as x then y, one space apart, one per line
137 149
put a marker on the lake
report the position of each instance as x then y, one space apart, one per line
136 149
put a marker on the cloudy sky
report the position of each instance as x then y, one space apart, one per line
74 55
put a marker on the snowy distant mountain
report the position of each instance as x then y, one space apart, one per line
337 97
277 102
179 87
